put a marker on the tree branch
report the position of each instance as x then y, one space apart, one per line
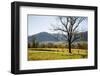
80 20
64 24
74 39
59 29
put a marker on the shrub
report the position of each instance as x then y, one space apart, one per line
82 45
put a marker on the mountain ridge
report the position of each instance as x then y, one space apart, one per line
45 36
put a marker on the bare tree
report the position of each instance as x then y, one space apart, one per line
68 26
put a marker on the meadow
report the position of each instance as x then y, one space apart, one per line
55 54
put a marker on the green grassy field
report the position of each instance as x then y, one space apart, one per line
55 54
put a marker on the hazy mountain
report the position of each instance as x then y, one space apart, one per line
42 36
83 36
47 37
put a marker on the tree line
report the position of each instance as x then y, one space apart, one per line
77 45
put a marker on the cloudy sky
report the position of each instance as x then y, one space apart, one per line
39 23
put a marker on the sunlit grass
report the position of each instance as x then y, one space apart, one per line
55 54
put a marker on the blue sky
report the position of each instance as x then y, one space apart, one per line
39 23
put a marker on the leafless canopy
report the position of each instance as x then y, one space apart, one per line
68 26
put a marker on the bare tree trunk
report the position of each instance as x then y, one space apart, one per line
69 46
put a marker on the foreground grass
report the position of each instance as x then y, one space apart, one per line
55 54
